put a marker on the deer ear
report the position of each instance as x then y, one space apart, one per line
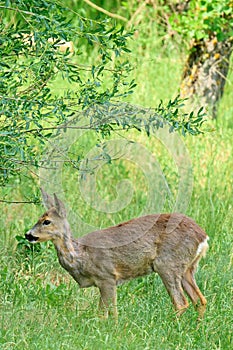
59 206
47 199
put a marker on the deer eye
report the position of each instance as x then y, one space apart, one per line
46 222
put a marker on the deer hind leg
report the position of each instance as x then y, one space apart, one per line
191 288
108 299
174 287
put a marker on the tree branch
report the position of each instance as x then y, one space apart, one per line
100 9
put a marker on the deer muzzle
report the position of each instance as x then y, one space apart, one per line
29 236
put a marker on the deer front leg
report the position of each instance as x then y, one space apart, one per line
108 299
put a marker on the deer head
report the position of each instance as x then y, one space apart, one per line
52 225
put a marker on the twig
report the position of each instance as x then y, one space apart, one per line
22 11
139 9
100 9
19 202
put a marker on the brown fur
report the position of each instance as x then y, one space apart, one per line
138 247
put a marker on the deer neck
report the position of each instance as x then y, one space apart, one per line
65 248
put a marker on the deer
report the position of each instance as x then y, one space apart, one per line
170 245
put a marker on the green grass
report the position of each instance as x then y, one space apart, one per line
42 308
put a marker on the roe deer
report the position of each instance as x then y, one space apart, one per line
111 256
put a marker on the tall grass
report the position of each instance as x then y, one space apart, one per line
42 308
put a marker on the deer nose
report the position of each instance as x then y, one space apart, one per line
30 237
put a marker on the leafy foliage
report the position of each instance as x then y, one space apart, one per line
126 116
32 64
204 18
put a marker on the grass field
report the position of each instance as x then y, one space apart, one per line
42 308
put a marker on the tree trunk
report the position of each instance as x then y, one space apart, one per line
205 72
